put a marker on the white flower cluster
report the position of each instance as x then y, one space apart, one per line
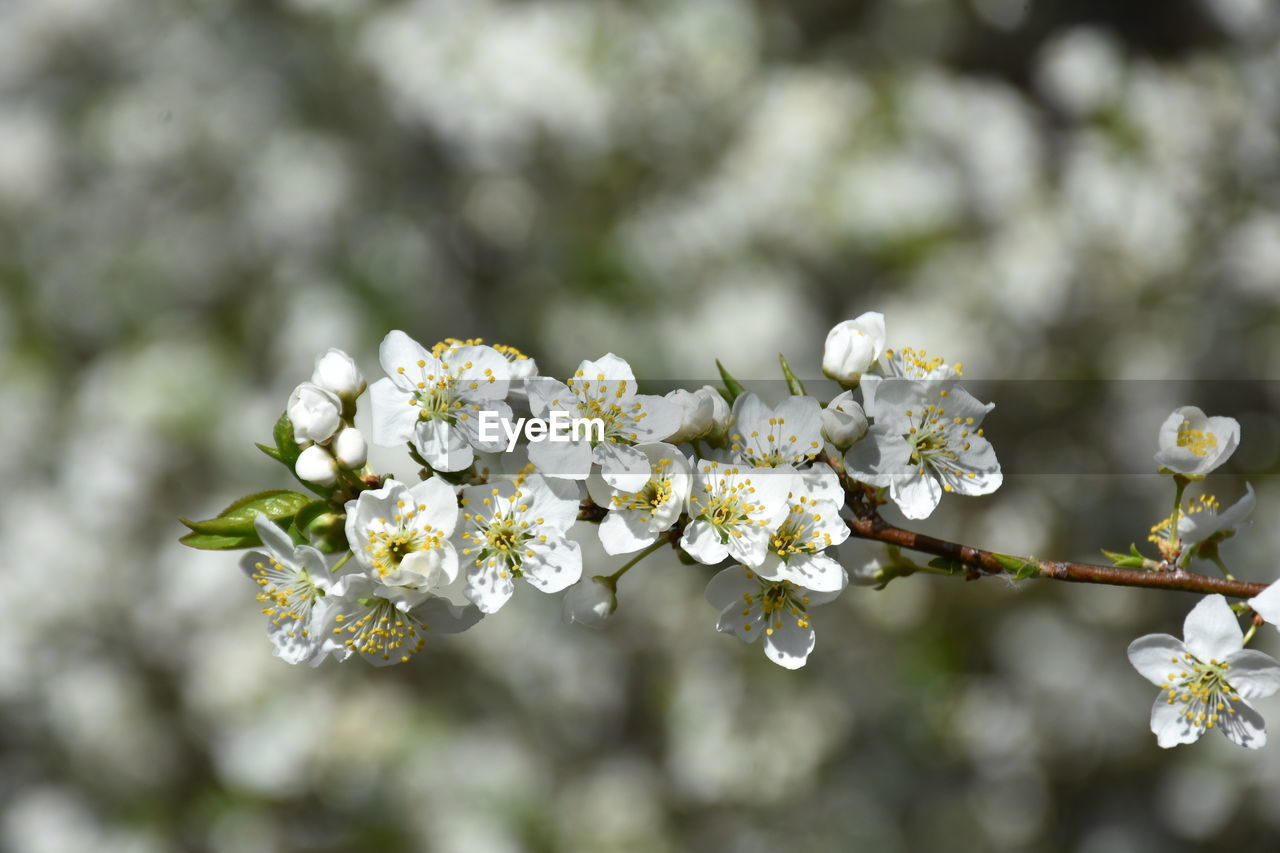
723 476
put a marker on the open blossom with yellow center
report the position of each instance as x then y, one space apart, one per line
788 434
733 511
386 626
517 529
604 389
399 534
636 519
797 550
433 401
292 581
926 439
1205 679
1193 444
751 606
1203 519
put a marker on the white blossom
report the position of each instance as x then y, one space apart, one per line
1205 680
926 440
589 602
337 373
1267 604
787 435
434 401
636 518
843 421
1204 521
797 550
1192 444
400 534
603 389
314 412
350 448
852 347
703 413
384 625
751 606
517 529
733 511
292 581
315 464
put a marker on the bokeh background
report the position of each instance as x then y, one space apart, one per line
1077 199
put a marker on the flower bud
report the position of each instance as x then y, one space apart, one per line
314 412
870 573
337 372
350 448
852 347
696 414
589 602
844 421
315 465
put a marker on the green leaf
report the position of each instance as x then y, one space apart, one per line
948 565
793 384
236 521
1132 560
210 542
731 385
1018 567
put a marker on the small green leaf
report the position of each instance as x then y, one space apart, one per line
793 384
210 542
237 519
731 385
1132 560
1018 567
948 565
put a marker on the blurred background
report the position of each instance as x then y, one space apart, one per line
1080 200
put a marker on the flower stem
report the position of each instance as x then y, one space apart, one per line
626 567
1222 566
1248 635
1180 483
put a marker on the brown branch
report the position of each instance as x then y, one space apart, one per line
989 563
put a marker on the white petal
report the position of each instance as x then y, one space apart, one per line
1154 655
918 495
547 394
568 459
489 587
728 586
399 350
277 542
555 565
393 418
1211 630
662 418
441 505
442 445
751 546
443 617
702 542
1245 727
622 532
1253 674
817 572
1169 725
622 466
786 643
1267 604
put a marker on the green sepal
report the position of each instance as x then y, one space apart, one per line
306 515
213 542
287 450
732 386
793 383
270 451
1132 560
236 521
1018 567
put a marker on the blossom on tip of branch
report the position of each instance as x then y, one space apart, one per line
517 529
589 602
400 534
292 581
1205 678
751 606
852 347
787 435
927 439
1203 520
703 413
733 511
434 401
636 519
604 389
314 412
337 372
1192 444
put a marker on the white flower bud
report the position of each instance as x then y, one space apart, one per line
337 372
315 465
314 412
523 368
870 573
852 347
696 413
589 602
350 448
721 414
844 421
